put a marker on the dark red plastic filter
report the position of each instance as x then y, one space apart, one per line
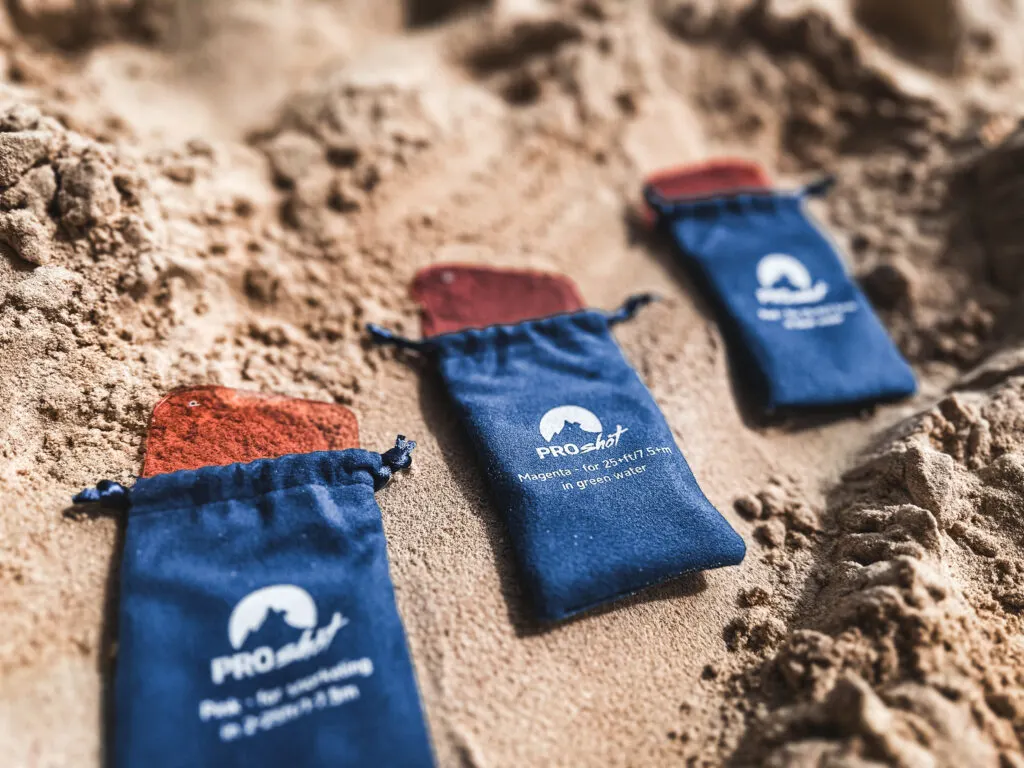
454 297
714 177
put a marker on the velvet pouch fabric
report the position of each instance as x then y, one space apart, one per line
258 624
805 331
599 501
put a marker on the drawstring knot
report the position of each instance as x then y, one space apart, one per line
107 493
399 457
394 459
630 307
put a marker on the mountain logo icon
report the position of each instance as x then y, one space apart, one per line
295 605
784 279
555 420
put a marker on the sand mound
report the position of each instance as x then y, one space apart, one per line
904 652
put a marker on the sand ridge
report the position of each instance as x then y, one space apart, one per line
225 193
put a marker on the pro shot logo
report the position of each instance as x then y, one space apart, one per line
785 280
789 296
583 429
273 613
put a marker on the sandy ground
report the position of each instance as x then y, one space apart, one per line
224 192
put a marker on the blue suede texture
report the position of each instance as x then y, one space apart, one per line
806 333
258 625
599 500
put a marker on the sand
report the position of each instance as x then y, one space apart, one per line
224 193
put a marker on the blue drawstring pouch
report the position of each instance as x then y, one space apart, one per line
805 331
258 625
599 501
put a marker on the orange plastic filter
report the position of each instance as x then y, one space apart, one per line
207 426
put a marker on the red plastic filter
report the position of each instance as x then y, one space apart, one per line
454 297
209 426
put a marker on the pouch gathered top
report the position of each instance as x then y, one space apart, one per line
258 624
805 333
599 501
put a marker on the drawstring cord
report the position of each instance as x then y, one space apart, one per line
385 338
820 187
107 493
393 460
630 307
